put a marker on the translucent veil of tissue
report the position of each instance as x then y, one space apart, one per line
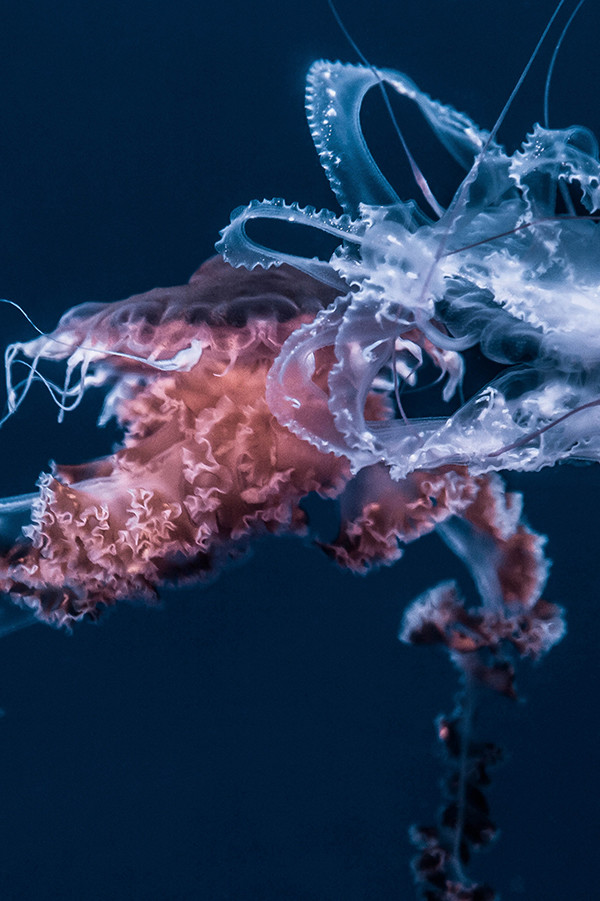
509 266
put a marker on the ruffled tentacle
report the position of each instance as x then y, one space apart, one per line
239 250
334 98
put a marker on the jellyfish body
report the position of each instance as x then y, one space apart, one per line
204 466
243 391
203 463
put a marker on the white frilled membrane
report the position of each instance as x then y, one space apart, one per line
500 268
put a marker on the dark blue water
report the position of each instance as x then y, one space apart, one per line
265 738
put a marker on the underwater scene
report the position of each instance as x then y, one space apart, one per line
298 535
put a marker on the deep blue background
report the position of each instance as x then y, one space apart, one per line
265 738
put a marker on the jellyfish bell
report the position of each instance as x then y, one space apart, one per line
203 464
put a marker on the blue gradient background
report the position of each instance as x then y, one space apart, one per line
265 738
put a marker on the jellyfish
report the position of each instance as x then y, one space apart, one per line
271 377
204 465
